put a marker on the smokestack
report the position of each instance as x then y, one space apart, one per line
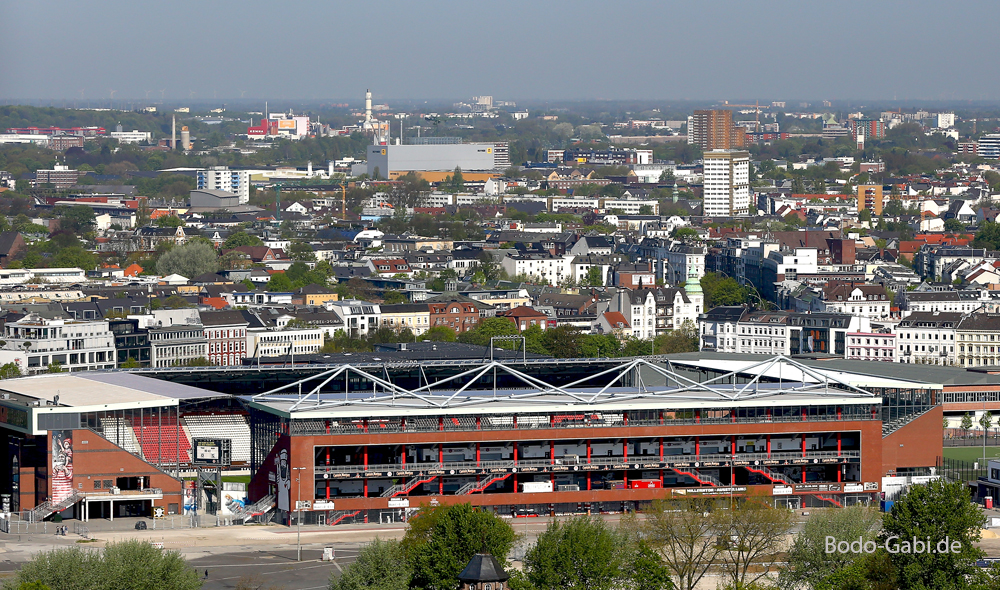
173 133
330 173
309 169
368 105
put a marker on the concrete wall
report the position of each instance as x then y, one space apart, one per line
405 158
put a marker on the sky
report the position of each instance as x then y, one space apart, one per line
513 50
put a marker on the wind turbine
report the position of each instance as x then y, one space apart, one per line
147 94
242 93
161 94
81 93
113 94
191 94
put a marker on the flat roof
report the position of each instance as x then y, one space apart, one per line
95 391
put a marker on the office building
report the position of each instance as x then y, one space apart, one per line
865 129
945 120
221 178
727 183
59 177
870 198
715 130
989 146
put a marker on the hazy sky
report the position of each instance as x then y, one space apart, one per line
541 49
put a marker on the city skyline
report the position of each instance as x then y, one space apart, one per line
440 50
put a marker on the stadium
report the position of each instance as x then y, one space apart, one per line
365 440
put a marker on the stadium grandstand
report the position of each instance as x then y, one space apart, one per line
378 436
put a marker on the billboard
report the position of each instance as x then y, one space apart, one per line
62 465
286 124
211 451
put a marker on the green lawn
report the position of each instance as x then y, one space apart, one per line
971 453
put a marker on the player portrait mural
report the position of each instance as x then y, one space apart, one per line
62 465
283 479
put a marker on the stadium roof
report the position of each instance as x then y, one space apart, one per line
87 392
633 384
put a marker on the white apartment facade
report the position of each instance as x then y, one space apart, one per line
549 268
221 178
871 346
177 345
927 338
75 345
272 343
684 262
360 317
727 183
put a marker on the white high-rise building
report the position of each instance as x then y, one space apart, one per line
945 120
727 183
221 178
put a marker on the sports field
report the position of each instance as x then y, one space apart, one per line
971 453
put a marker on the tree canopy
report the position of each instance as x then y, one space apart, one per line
189 260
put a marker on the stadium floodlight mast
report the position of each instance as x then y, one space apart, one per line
298 512
521 339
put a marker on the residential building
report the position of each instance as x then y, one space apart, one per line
865 129
961 301
727 183
718 328
871 301
978 337
872 346
684 262
764 332
714 130
823 333
221 178
131 342
945 120
549 268
612 323
415 317
928 337
226 332
75 345
177 345
988 146
525 317
360 317
458 312
638 307
287 342
870 198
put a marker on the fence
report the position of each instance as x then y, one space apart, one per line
958 470
991 441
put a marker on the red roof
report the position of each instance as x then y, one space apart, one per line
216 302
616 319
133 270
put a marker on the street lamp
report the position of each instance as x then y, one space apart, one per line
298 517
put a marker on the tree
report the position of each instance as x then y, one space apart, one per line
391 297
986 421
809 563
936 511
594 277
169 221
380 565
648 572
189 260
954 225
78 219
581 553
683 532
131 363
176 302
10 371
301 251
280 283
753 534
489 328
441 540
562 342
55 367
722 291
133 564
864 215
967 423
240 238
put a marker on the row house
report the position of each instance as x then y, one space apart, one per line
258 298
177 345
927 337
526 317
961 301
637 275
549 268
764 332
359 317
568 305
501 299
415 317
684 262
872 346
871 301
978 337
658 310
390 267
226 333
583 264
272 343
458 312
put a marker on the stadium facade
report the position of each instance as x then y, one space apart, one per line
368 440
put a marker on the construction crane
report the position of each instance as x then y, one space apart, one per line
756 106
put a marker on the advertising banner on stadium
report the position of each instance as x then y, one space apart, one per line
62 465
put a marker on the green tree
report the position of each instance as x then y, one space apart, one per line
280 283
683 339
809 563
954 225
986 421
240 238
594 278
439 334
936 511
176 302
189 260
391 297
562 342
487 329
55 367
131 363
78 219
132 565
648 571
441 540
169 221
722 291
380 565
10 371
301 251
967 423
75 257
684 232
988 235
582 553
